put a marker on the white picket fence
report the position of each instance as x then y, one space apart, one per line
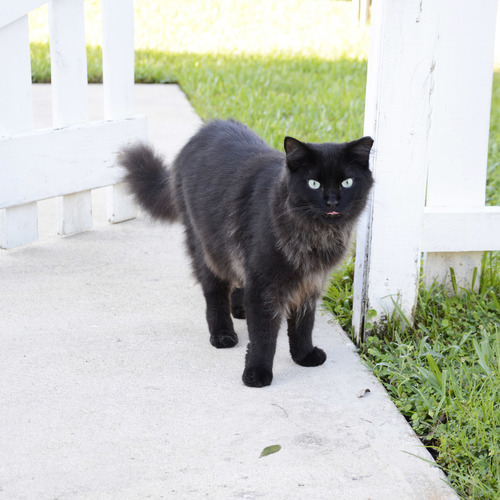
76 155
428 106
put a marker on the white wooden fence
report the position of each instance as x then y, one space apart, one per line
361 11
428 105
76 155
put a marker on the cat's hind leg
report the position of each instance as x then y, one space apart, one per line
238 303
300 326
220 324
216 292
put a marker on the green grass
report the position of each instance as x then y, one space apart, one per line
298 67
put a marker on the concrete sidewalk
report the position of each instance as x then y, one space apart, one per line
110 389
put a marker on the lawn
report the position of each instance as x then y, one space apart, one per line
298 67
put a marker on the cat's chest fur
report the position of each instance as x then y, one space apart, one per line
311 254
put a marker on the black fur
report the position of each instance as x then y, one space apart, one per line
261 236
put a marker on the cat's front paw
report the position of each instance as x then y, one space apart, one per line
257 376
223 340
315 358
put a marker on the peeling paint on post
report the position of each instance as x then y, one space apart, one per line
397 112
427 107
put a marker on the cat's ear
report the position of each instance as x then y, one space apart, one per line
359 151
297 153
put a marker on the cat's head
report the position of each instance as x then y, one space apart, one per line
329 182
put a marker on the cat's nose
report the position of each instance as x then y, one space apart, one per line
332 201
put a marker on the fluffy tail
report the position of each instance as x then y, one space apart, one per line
149 181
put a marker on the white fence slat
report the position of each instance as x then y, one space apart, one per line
68 59
119 204
69 96
118 57
118 83
16 110
41 164
460 229
11 10
461 103
463 265
20 226
360 11
74 211
397 109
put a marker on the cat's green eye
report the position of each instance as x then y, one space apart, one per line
347 183
313 184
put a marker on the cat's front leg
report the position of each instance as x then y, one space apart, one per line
300 326
263 326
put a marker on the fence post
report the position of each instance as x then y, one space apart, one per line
458 141
399 87
118 82
360 11
18 225
68 57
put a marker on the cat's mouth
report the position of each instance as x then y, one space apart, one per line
332 214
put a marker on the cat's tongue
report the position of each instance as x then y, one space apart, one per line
333 213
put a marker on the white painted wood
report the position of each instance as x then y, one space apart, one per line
364 229
466 269
43 164
69 96
360 11
118 83
70 160
119 203
118 57
68 58
461 229
11 10
427 105
17 227
364 12
16 113
397 110
74 213
459 128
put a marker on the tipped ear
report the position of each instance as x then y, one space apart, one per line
296 152
359 151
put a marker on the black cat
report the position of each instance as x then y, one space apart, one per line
263 228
